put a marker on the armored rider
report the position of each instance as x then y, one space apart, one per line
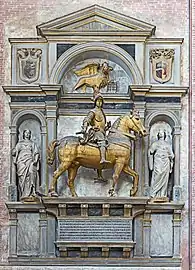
97 120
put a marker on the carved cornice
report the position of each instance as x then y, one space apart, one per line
96 22
158 91
169 91
115 37
27 40
32 90
165 40
98 11
137 201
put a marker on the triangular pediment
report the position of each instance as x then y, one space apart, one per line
95 19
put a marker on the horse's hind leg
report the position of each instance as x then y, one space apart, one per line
117 170
72 172
135 175
60 170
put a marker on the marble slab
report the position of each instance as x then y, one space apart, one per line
28 234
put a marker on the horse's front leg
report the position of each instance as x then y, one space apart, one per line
135 175
117 171
60 170
72 172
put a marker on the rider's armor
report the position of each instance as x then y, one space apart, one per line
97 120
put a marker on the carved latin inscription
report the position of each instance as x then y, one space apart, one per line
98 230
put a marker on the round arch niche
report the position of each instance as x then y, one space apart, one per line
85 52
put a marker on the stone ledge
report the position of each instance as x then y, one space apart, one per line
96 200
138 262
7 267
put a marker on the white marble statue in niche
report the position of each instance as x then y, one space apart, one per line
26 157
160 157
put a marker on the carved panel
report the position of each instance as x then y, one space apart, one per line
118 78
162 60
29 61
28 234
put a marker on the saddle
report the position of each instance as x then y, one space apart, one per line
88 136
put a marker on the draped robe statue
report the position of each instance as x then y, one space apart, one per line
26 158
160 157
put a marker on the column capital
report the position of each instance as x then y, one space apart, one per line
138 92
51 89
177 130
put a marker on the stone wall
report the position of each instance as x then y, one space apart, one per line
19 19
192 131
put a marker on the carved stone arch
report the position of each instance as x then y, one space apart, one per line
39 116
172 119
116 54
168 116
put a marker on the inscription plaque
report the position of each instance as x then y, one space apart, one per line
98 230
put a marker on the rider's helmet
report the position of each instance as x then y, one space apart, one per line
99 96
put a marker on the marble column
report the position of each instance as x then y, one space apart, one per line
138 94
140 150
12 189
51 115
51 106
146 191
176 149
44 174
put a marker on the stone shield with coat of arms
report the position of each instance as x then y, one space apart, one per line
162 60
29 64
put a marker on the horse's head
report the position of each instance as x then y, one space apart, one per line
135 123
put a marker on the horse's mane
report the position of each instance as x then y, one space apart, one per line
117 121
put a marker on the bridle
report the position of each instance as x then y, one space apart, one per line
132 119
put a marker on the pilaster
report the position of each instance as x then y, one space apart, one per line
43 227
176 233
13 233
146 232
138 93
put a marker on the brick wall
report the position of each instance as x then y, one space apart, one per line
12 13
19 19
192 133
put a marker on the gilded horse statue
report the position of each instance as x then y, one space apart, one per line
72 154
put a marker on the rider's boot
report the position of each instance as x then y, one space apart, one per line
103 155
100 178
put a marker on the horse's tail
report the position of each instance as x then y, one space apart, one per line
51 151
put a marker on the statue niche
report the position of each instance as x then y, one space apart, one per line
161 160
26 158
